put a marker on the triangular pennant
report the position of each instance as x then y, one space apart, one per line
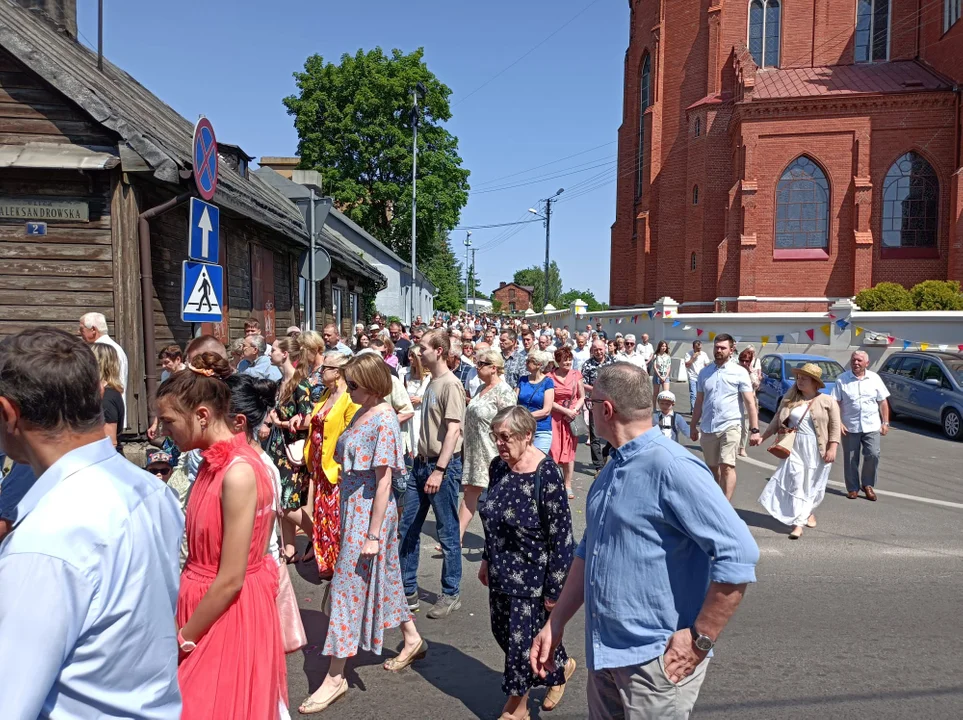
686 327
943 348
635 318
923 346
906 344
890 339
651 314
960 348
676 323
667 313
738 338
842 324
828 329
811 332
619 321
658 313
765 339
712 336
831 316
859 331
699 331
794 336
779 339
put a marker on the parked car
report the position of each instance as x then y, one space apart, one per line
777 375
927 386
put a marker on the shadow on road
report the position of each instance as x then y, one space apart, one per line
762 520
728 708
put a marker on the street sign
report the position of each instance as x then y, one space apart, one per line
203 241
205 158
36 228
202 292
322 264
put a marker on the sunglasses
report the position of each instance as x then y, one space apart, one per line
329 367
162 472
630 344
352 385
503 438
484 364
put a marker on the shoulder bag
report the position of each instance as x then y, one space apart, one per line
786 436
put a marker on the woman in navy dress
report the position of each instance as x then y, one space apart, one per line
528 552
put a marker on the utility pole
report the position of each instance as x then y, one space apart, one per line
547 217
474 281
467 276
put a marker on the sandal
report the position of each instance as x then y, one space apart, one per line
509 716
811 522
796 533
397 664
310 707
554 695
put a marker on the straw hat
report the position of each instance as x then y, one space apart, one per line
810 370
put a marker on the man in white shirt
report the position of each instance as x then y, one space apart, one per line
545 343
631 355
718 413
93 329
864 412
694 361
646 351
581 352
88 573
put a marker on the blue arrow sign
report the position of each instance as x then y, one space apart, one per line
205 223
202 292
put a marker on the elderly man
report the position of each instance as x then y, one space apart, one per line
582 351
258 364
89 572
590 372
465 372
631 355
513 356
655 509
332 339
694 361
864 411
545 343
718 413
646 350
93 329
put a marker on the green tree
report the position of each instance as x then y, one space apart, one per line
354 127
937 295
535 277
885 297
496 305
587 296
444 270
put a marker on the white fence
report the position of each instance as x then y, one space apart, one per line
836 333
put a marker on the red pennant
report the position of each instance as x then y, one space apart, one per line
811 333
890 339
659 314
699 331
960 348
831 316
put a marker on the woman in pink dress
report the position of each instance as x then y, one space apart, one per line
367 596
232 658
567 405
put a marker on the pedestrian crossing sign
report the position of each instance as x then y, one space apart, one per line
202 292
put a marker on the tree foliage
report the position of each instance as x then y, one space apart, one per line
885 297
937 295
354 127
587 296
535 277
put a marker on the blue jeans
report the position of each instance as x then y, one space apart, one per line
444 503
693 391
543 441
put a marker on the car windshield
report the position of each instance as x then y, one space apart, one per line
831 369
955 367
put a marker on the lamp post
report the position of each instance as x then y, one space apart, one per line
419 90
547 217
467 278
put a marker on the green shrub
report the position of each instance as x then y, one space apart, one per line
937 295
885 297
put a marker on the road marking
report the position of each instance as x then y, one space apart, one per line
890 493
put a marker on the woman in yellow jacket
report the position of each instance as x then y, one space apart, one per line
331 415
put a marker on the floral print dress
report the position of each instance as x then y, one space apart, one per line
367 596
479 449
294 480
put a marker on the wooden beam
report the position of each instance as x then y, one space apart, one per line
49 282
55 234
43 313
46 297
76 268
53 251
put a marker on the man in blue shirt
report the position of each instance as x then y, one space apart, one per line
259 364
89 571
662 567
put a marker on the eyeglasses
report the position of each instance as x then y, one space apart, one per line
352 386
503 438
629 344
329 367
484 364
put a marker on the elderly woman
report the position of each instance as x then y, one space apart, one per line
566 406
536 393
330 416
479 449
528 551
799 484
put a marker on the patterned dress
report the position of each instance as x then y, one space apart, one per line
529 549
294 481
367 597
563 440
479 449
327 504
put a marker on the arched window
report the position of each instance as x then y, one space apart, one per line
952 10
695 194
911 204
802 207
872 30
644 86
692 262
764 21
698 127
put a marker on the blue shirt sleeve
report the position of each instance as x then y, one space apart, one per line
696 507
548 384
43 607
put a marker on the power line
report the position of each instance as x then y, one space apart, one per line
538 167
495 225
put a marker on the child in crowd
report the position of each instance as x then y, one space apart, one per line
160 464
671 423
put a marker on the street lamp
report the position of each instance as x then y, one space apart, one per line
547 217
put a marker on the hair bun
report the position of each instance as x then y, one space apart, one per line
213 362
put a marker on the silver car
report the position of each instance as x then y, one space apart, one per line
927 386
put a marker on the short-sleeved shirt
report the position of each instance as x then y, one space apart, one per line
532 396
402 346
721 387
701 360
443 403
113 404
859 400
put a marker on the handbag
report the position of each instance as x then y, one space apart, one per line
295 453
782 448
578 426
293 637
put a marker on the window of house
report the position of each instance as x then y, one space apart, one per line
695 194
337 305
764 21
872 30
511 294
802 208
911 204
644 87
952 9
354 301
511 307
692 262
698 127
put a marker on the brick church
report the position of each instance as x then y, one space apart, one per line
776 154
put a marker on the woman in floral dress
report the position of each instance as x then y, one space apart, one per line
367 596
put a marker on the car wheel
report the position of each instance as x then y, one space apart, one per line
952 424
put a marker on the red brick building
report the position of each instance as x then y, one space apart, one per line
788 149
514 298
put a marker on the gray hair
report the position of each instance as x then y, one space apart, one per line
543 357
628 388
94 321
516 419
337 357
629 336
491 356
454 346
259 342
860 352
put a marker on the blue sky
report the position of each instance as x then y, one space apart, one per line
233 61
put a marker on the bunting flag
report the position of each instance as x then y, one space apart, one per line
676 323
712 336
738 338
779 339
960 348
619 321
811 332
842 324
890 339
651 314
765 339
635 318
831 316
923 346
686 327
658 313
944 348
699 332
794 336
667 313
828 329
859 331
906 344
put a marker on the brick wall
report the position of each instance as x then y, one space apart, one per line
512 293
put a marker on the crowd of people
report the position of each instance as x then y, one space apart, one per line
351 441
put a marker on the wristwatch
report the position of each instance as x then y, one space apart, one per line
186 646
703 642
753 431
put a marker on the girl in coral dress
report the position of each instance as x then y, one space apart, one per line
232 658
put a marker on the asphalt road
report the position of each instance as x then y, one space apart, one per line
858 619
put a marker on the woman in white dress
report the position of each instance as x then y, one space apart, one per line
416 383
799 484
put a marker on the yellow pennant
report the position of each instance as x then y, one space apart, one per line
859 331
765 339
827 328
923 346
712 336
